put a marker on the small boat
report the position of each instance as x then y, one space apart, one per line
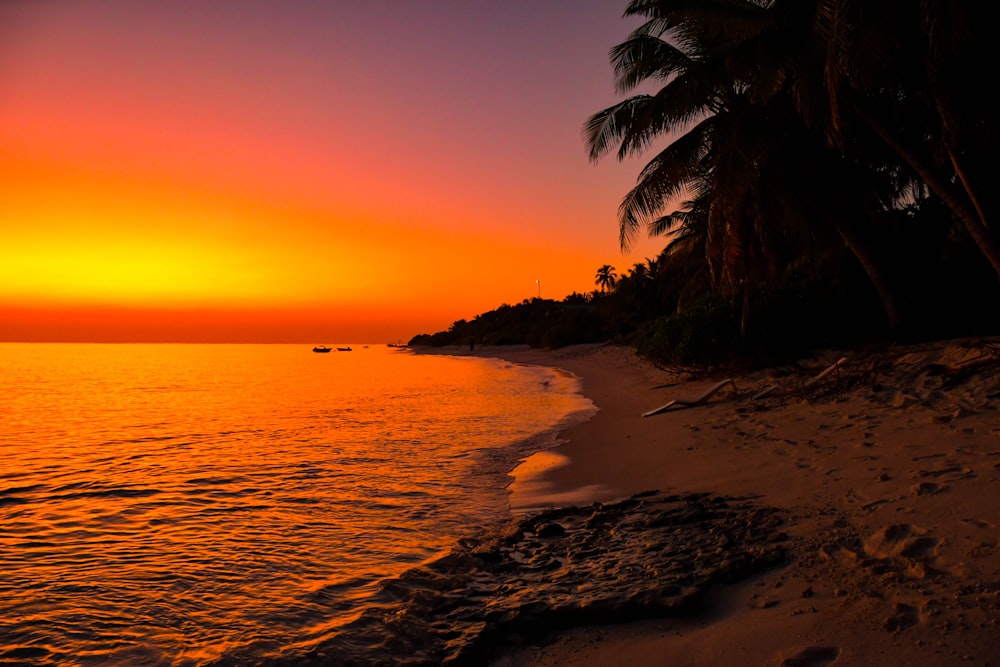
344 349
322 348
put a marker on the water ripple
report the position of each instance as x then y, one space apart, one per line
181 504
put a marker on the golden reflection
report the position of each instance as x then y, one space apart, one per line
210 496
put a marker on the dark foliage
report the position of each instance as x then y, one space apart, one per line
535 322
837 157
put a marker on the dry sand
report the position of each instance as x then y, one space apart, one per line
886 471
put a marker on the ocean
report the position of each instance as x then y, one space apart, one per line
192 505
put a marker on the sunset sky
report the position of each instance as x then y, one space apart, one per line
299 170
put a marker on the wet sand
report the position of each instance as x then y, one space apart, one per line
883 471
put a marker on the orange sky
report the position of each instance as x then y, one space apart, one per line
293 171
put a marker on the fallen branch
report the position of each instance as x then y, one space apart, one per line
687 403
809 383
834 366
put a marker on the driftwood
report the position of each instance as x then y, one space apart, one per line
687 403
810 383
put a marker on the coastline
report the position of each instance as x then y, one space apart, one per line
886 470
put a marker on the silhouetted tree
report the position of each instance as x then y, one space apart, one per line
606 278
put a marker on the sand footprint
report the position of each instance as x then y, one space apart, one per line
873 505
981 548
920 548
903 617
902 540
839 553
902 549
814 656
951 472
928 488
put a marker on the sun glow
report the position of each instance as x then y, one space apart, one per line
79 243
281 187
127 271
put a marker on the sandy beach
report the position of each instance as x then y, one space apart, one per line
883 469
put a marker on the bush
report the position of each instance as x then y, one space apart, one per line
704 334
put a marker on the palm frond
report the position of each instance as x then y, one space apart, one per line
607 127
642 58
669 174
665 224
688 98
694 22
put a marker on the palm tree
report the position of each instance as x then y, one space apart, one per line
911 73
606 278
697 96
735 102
639 273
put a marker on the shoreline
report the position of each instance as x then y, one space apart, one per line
886 468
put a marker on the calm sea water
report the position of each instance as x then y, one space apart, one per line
191 504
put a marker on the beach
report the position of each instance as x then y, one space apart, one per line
881 465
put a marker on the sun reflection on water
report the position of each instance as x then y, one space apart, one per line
168 504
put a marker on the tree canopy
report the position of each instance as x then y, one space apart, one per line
820 171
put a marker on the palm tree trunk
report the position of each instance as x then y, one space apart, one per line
936 28
976 227
745 314
964 180
890 304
